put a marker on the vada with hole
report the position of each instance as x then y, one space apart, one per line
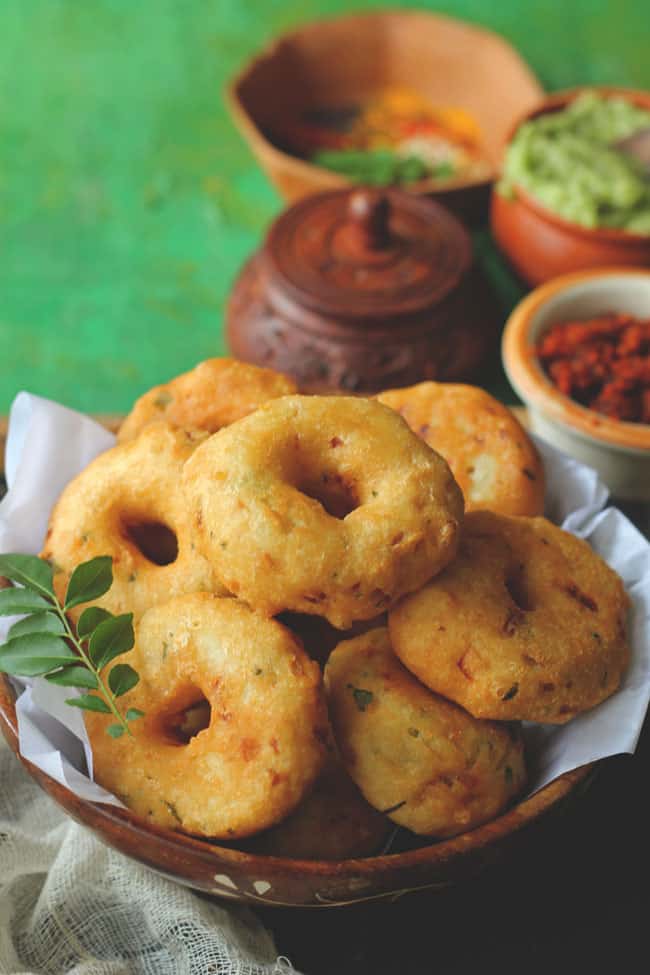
128 503
261 742
528 623
494 461
323 505
212 395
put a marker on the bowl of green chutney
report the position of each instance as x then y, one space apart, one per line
569 197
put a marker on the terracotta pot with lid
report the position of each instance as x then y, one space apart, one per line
359 290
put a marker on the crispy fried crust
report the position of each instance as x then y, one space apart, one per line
495 463
264 744
528 623
333 822
418 758
212 395
261 491
126 499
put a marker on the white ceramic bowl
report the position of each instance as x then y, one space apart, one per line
619 451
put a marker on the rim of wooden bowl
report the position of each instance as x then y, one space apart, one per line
104 818
97 815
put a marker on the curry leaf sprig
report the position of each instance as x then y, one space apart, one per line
43 643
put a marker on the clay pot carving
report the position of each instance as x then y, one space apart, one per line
358 290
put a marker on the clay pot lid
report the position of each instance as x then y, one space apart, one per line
366 254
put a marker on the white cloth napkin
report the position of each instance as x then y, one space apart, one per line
69 904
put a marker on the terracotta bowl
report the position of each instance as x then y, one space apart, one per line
274 881
338 61
227 873
541 245
620 452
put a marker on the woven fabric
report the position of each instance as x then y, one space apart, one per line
70 904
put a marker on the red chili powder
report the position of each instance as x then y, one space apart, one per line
602 363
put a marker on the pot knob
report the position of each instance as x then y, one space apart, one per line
370 216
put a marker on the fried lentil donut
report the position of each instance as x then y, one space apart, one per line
495 463
333 822
128 504
323 505
212 395
528 623
416 757
263 744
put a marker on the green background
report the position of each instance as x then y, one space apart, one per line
127 200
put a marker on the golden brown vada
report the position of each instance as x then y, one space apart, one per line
128 504
212 395
528 623
494 461
323 505
264 742
333 822
416 757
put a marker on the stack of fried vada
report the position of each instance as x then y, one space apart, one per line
493 460
236 511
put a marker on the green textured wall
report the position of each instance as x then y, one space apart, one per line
128 202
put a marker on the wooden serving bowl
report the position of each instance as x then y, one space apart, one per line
256 879
339 61
277 881
542 245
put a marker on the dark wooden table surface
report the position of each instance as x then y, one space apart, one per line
577 901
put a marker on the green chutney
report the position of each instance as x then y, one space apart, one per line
567 161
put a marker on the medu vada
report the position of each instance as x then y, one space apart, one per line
212 395
419 759
128 504
333 822
494 461
528 623
323 505
263 740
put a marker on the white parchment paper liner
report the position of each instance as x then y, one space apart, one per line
49 444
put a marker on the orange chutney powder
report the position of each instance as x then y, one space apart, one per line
602 363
